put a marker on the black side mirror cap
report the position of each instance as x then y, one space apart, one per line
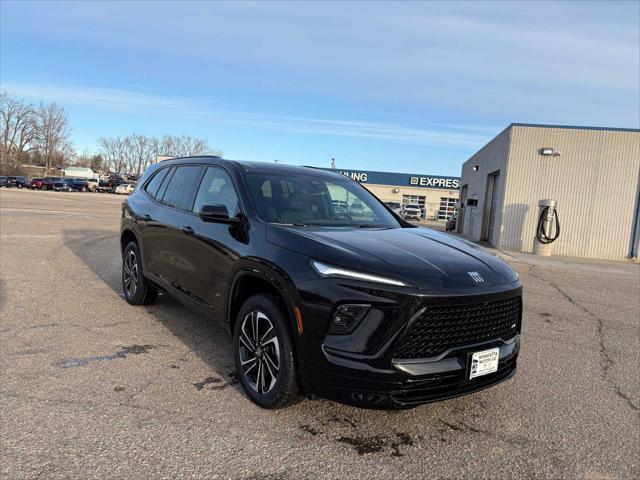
217 214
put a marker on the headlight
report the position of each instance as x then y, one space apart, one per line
330 271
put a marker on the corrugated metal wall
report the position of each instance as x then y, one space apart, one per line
491 158
594 180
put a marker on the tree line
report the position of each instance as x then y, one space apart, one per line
32 132
135 152
40 135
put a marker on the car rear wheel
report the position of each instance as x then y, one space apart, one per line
263 350
137 289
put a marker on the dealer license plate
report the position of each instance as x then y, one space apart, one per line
485 362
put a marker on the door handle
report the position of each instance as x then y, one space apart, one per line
146 218
187 230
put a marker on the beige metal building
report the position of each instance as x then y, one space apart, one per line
436 195
592 173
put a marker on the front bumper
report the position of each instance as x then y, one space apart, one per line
408 384
360 369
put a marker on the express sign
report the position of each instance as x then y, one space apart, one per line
401 179
435 182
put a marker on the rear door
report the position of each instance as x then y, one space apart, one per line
208 250
172 193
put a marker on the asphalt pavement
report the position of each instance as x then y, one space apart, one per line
91 387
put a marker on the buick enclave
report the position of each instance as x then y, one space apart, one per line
357 305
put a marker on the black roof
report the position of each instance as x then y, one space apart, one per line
261 167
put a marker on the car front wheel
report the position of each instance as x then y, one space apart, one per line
263 350
137 289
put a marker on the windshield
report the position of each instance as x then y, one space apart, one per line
316 200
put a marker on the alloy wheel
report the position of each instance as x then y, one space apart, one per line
259 352
130 273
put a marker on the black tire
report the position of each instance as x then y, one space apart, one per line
274 358
137 289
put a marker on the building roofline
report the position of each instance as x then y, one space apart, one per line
573 127
338 170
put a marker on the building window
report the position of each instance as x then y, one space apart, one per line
447 208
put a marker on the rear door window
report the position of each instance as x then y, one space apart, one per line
181 188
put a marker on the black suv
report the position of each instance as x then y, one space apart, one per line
18 182
71 185
363 308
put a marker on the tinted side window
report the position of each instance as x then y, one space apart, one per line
154 184
217 188
181 188
165 182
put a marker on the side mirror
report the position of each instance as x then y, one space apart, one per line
217 214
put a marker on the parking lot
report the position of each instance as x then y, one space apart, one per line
94 388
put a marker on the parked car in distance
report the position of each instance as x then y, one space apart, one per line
81 184
356 208
18 182
395 207
115 180
47 182
92 184
70 185
103 186
373 311
450 226
3 181
340 206
124 188
63 184
412 210
35 184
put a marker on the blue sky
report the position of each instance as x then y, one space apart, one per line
410 87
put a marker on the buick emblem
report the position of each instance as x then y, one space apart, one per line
476 277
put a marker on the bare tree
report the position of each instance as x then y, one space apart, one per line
189 146
113 150
52 133
97 163
182 146
140 152
89 160
83 159
18 130
136 152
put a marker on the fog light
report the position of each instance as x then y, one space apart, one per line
347 317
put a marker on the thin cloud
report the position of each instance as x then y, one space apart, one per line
141 104
107 99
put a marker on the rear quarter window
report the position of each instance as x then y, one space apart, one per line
153 185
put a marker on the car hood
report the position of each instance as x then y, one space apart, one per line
421 257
